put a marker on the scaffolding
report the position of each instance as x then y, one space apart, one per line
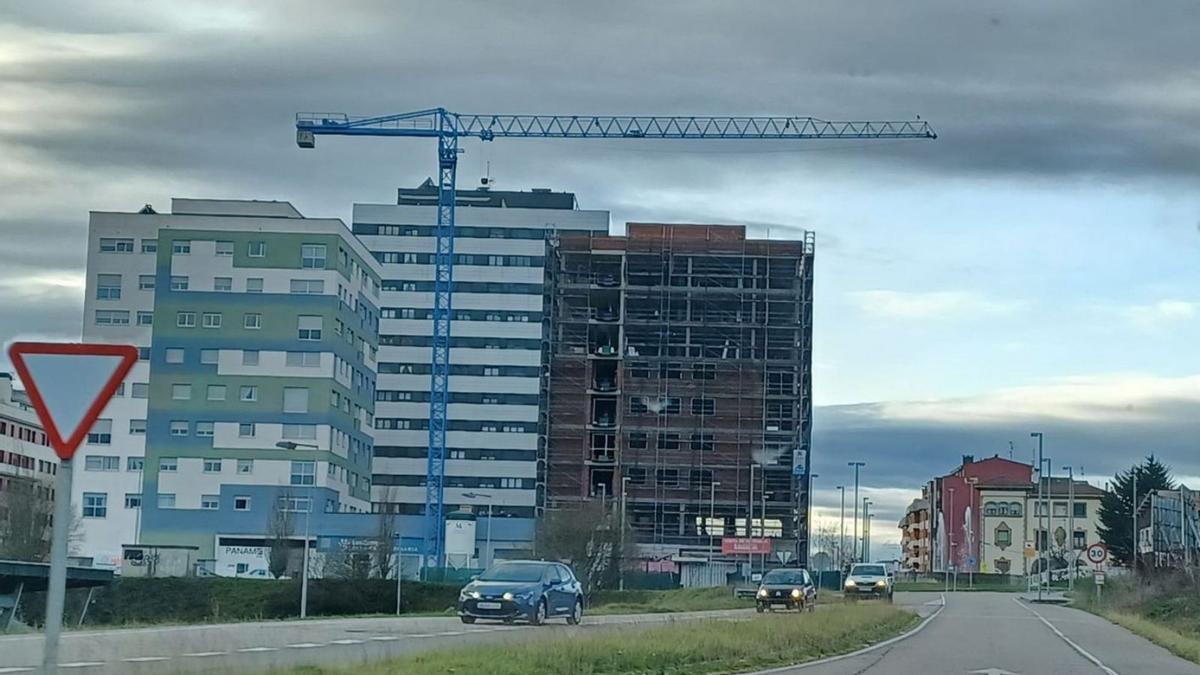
680 378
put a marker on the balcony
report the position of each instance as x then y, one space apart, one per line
604 386
606 351
606 314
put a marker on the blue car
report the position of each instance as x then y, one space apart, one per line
523 590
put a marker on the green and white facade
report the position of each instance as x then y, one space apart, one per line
258 329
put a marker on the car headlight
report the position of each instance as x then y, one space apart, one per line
880 584
796 593
474 595
850 583
508 596
762 592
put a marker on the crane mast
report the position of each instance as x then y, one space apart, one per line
448 127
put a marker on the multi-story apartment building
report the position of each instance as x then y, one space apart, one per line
680 383
27 467
914 537
257 330
495 438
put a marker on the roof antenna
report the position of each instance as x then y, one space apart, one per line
1010 449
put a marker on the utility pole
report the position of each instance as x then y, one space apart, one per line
712 514
1071 524
750 524
854 534
866 552
1133 505
1038 539
841 550
811 477
624 554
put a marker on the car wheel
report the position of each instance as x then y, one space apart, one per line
538 616
576 614
759 608
467 619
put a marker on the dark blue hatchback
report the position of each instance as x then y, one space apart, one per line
526 590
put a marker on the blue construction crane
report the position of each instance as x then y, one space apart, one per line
447 127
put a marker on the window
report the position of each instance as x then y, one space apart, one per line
1060 509
212 466
179 428
304 472
701 477
204 429
133 500
254 285
143 353
668 441
1080 509
294 504
210 502
179 283
309 328
245 466
108 286
241 503
108 245
1014 508
166 500
990 509
181 247
257 249
704 371
209 356
637 440
223 284
295 399
101 463
185 319
140 390
702 442
112 317
307 286
246 430
671 371
252 321
667 477
174 355
95 505
637 405
1003 535
101 433
312 256
300 431
181 392
145 282
636 475
781 383
168 464
671 405
145 318
224 248
303 359
1079 540
212 320
249 357
248 393
137 427
149 246
215 392
135 463
704 406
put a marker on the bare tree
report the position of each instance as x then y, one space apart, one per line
26 514
279 538
588 538
385 542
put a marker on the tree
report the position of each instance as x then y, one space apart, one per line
587 538
26 514
1116 507
385 543
279 538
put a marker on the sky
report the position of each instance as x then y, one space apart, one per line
1034 268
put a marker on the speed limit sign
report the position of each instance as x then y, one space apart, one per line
1097 553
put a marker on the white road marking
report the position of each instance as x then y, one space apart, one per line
385 638
254 650
200 655
19 669
81 664
146 659
305 645
348 641
1082 652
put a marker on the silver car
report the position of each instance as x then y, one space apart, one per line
868 580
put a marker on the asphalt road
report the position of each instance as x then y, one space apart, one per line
995 634
256 647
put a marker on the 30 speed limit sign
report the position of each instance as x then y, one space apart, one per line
1097 553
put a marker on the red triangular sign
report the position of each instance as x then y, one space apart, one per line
69 385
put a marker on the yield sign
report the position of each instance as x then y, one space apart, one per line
69 385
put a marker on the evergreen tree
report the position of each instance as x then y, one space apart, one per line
1116 508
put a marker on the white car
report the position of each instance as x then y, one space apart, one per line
868 580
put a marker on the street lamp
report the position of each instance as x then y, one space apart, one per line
812 477
1071 524
866 553
292 445
488 497
712 514
841 550
854 534
621 563
1038 540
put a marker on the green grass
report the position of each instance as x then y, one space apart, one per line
695 648
939 586
676 600
1164 611
1179 644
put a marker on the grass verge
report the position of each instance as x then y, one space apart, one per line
677 600
1179 644
1165 610
694 647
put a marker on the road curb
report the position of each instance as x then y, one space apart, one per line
865 650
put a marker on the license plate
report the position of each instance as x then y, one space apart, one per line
488 605
780 605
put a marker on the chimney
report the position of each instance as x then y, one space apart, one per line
6 389
968 459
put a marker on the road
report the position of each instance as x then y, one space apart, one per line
995 633
256 647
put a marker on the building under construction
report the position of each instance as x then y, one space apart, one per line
680 384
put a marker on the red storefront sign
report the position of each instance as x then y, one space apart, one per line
745 545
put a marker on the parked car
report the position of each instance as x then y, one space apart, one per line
786 589
868 580
527 590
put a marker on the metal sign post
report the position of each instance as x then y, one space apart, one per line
68 385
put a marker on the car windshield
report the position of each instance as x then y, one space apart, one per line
784 577
869 570
514 572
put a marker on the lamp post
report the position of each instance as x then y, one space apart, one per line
841 550
712 514
854 534
488 497
1071 524
292 445
950 558
809 520
866 553
1041 505
621 562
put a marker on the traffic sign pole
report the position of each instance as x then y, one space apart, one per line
57 591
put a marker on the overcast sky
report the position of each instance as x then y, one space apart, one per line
1033 268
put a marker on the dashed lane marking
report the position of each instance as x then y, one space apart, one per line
385 638
256 650
81 664
305 645
146 659
200 655
347 641
18 669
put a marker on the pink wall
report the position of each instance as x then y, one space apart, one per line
990 471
